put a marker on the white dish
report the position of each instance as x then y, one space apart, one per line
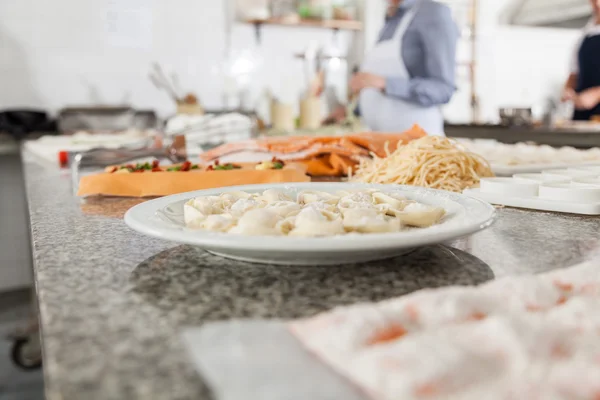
509 186
570 192
536 203
588 181
590 168
539 178
163 218
569 172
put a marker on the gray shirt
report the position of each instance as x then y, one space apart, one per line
429 52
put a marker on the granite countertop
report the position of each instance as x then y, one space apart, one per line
113 302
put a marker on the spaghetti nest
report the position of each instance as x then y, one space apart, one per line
433 162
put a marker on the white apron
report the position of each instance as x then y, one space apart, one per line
383 113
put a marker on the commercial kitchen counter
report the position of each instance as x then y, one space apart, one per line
113 302
552 137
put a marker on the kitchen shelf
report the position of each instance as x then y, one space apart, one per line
312 23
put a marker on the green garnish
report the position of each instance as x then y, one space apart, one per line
195 167
178 168
144 166
277 165
225 167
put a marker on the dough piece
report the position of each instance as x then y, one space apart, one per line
241 206
312 222
309 196
192 216
273 195
207 205
285 226
285 208
257 222
392 201
420 215
356 200
218 222
369 221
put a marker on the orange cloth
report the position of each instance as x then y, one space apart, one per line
323 155
152 184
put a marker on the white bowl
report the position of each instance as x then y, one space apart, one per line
163 218
509 187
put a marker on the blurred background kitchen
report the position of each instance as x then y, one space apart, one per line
267 66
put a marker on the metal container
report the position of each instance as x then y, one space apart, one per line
105 119
516 116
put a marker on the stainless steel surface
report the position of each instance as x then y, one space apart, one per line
105 119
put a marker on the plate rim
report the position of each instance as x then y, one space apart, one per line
282 244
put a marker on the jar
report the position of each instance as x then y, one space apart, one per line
251 10
315 9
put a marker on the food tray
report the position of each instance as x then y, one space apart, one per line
510 170
572 190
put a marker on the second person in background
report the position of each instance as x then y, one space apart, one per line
410 73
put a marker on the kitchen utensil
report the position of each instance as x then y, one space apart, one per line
161 82
163 218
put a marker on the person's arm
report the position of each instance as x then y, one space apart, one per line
587 99
569 91
439 37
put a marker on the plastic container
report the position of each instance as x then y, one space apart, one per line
509 187
540 178
570 192
570 173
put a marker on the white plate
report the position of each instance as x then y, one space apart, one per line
163 218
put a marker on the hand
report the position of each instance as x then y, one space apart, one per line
338 115
587 99
364 80
568 95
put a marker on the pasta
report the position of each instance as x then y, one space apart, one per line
433 162
311 214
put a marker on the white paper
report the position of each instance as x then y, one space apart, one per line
128 23
260 360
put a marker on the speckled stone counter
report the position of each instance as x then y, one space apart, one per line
112 302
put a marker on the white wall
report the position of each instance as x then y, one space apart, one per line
519 66
57 53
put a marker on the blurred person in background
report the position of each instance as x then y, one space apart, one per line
583 85
410 73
